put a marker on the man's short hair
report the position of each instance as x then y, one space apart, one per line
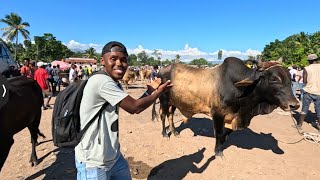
155 67
114 46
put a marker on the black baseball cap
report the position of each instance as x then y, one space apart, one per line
114 46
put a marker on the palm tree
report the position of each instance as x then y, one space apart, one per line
15 25
90 53
177 60
220 54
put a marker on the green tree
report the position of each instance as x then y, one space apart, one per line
143 57
220 54
48 48
177 60
15 26
90 53
199 62
293 49
157 54
166 62
133 60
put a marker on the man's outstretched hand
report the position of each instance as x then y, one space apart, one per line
165 87
154 84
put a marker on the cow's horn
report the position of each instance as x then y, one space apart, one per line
280 60
243 83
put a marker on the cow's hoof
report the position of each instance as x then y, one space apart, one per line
33 163
219 153
176 134
166 136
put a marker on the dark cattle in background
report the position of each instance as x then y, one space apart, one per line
23 109
231 93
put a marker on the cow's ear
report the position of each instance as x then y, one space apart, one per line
243 83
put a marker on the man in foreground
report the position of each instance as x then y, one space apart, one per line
311 90
98 154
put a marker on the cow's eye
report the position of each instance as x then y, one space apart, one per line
275 79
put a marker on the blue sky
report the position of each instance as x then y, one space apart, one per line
191 29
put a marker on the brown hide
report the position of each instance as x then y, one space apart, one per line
195 91
145 74
128 77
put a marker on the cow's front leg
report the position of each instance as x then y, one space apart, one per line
6 143
218 124
170 119
34 136
163 121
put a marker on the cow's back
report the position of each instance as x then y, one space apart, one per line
194 90
25 101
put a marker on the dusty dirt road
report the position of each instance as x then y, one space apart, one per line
261 152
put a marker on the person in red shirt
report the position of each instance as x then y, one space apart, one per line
26 70
41 76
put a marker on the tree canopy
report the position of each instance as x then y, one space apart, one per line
15 26
294 49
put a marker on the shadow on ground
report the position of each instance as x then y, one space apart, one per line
246 139
62 168
178 168
310 118
139 169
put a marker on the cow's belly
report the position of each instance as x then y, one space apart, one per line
190 100
188 109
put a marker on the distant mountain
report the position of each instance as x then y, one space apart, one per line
77 50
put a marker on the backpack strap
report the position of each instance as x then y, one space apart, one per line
80 134
91 121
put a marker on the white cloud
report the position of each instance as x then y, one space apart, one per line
76 46
187 53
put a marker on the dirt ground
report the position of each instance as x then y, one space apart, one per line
269 149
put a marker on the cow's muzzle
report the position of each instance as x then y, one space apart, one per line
294 106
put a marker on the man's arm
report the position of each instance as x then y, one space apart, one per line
48 84
305 76
134 106
23 71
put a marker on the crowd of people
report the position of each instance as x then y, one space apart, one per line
98 152
49 77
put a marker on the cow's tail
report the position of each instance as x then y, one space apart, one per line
39 93
36 121
155 115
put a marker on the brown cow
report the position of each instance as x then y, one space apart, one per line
231 93
145 74
129 77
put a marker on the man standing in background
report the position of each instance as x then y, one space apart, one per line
41 76
73 73
311 78
26 70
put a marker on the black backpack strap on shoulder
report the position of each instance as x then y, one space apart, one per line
80 134
91 121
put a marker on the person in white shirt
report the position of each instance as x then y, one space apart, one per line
73 73
299 80
293 72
